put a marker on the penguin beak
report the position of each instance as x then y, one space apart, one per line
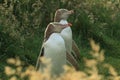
70 12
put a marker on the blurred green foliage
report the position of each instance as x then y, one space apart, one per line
22 25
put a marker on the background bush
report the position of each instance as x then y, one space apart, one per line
22 24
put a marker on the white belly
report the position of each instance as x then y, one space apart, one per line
67 36
55 50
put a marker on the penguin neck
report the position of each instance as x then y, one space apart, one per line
63 21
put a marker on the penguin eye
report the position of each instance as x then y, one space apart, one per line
58 12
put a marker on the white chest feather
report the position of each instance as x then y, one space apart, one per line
67 36
56 51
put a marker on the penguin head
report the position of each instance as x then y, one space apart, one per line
62 14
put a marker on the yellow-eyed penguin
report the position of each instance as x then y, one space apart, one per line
54 48
61 16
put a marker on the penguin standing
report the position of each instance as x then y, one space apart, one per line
61 16
53 48
58 43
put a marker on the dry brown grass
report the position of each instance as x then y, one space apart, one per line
91 70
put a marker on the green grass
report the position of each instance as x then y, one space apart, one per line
109 58
115 62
